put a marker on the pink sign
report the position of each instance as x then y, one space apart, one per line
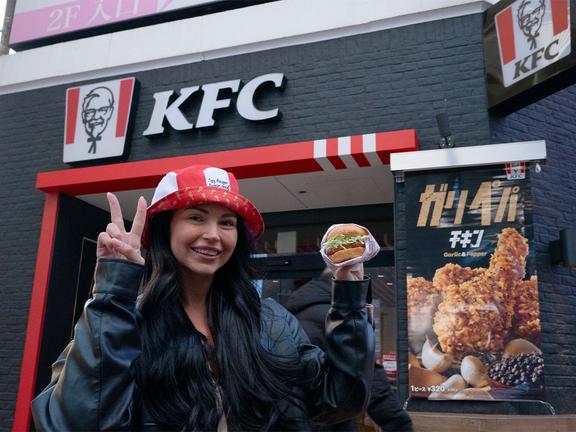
32 22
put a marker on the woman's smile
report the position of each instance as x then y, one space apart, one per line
207 252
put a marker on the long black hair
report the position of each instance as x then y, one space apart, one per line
178 372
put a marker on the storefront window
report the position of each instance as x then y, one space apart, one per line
300 232
288 259
385 329
383 300
298 239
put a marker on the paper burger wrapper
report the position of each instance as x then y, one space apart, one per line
371 249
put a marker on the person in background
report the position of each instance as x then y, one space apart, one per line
198 350
310 304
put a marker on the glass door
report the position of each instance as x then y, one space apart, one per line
287 258
282 275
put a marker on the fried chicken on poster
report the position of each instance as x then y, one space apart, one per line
479 305
468 318
423 298
421 294
453 274
508 267
527 310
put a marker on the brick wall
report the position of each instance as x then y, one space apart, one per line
381 81
554 191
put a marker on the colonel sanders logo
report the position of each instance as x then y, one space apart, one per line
97 109
532 35
97 117
530 17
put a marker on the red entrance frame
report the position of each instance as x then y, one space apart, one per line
292 158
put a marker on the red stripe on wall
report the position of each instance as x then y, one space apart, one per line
279 159
559 15
505 27
36 314
125 100
332 153
358 151
72 100
393 142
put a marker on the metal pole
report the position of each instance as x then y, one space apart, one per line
7 26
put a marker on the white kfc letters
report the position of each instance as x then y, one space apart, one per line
211 101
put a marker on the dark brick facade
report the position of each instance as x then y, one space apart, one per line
381 81
554 191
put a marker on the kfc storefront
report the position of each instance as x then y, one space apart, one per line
322 122
286 256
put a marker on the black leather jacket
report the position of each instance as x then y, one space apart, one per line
309 304
93 385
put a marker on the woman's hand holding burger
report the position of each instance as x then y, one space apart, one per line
345 242
353 272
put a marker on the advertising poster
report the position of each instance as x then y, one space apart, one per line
473 310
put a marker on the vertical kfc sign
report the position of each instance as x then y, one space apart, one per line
97 119
532 34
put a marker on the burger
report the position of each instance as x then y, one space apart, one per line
345 242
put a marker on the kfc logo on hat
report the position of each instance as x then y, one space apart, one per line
97 118
532 34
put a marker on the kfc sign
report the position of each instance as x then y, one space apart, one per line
97 118
532 34
168 105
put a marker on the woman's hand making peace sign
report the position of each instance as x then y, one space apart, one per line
115 242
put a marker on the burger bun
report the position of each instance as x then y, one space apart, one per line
346 251
346 254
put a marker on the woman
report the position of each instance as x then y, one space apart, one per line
198 350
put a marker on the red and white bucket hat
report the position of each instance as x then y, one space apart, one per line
202 184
